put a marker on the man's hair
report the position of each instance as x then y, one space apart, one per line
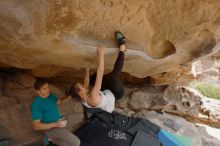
39 83
73 91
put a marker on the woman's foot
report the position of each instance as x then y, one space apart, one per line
120 38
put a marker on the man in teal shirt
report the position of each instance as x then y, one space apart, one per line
46 116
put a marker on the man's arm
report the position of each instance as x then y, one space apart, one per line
38 125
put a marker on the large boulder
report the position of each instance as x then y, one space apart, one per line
17 120
1 86
148 97
161 35
176 100
19 87
7 101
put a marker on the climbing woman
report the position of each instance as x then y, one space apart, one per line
103 90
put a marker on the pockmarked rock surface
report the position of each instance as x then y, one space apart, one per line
161 35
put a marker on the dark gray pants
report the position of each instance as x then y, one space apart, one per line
64 136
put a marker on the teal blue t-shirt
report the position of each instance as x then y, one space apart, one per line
45 109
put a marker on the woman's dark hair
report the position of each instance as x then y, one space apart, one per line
73 90
39 83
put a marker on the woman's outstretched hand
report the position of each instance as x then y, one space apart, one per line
100 49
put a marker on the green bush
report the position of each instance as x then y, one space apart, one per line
208 89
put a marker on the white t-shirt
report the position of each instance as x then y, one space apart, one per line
107 103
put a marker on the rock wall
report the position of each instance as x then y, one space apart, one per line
17 94
56 39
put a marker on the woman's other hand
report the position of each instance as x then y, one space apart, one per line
101 49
